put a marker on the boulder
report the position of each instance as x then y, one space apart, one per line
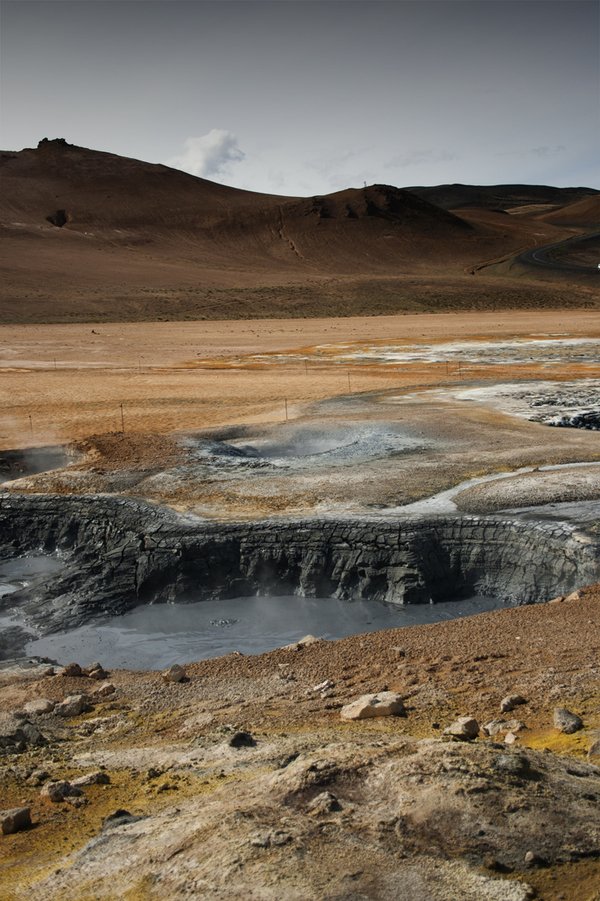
175 673
594 751
302 643
17 734
39 706
15 820
71 669
73 705
242 740
104 690
98 777
96 672
510 702
58 791
465 728
324 803
384 703
567 722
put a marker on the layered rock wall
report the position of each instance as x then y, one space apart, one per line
119 553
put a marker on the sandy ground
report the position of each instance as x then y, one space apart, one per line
60 382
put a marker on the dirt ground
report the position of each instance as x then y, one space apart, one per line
217 818
63 382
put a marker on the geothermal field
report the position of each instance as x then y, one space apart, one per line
236 530
299 535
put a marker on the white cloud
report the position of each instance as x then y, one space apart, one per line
210 154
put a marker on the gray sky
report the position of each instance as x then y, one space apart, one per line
303 97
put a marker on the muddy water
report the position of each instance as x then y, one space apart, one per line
152 637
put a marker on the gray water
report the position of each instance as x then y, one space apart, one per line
155 636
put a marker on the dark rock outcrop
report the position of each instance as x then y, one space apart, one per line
120 553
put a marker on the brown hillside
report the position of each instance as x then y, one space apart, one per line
583 214
90 235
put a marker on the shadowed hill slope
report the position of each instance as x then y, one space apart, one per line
500 197
91 235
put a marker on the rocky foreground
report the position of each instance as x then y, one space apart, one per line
472 773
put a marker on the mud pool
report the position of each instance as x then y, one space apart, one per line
155 636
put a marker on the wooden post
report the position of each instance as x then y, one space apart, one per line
30 424
349 388
122 419
286 408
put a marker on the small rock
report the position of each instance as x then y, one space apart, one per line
119 818
510 738
594 750
73 705
302 643
71 669
465 728
175 673
513 764
323 686
557 600
399 652
496 727
567 722
104 690
38 777
324 803
98 777
97 673
533 860
15 820
58 791
384 703
17 734
39 706
242 740
510 702
574 596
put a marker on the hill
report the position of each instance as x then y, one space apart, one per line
91 235
500 197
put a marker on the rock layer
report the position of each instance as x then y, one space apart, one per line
120 553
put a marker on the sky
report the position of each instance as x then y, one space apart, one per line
303 97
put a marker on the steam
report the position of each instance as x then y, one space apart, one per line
210 154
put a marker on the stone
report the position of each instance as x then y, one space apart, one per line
510 738
497 727
242 740
17 734
326 802
120 817
97 672
302 643
323 686
98 777
39 706
73 705
567 722
594 750
104 690
58 791
384 703
38 777
175 673
510 702
514 764
71 669
465 728
15 820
